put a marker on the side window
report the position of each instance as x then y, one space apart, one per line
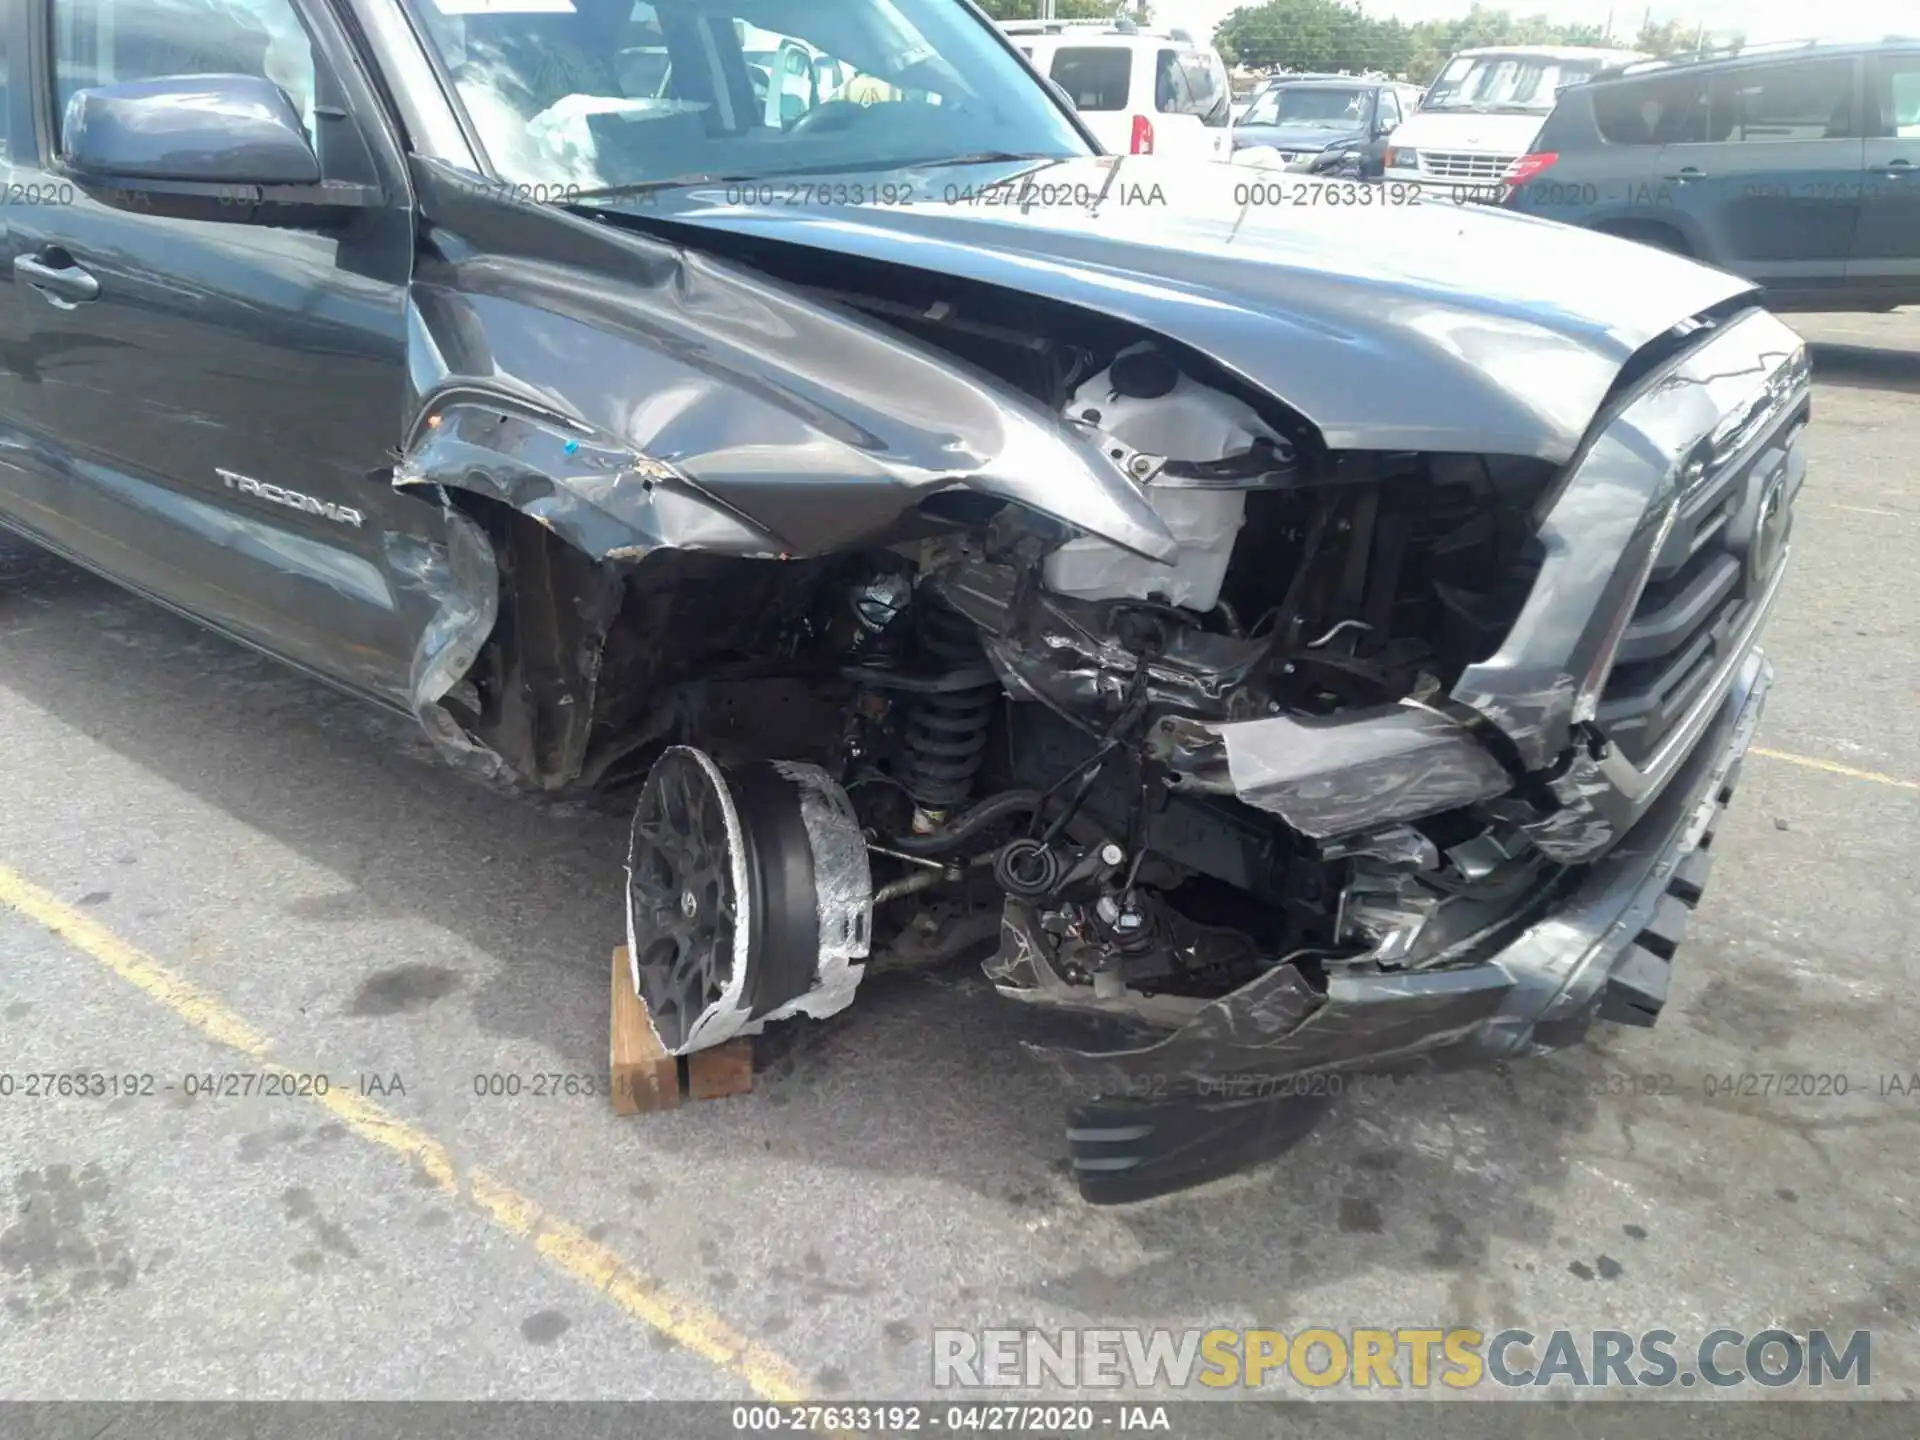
1664 111
1389 112
6 115
1193 75
1810 100
1170 93
1896 97
1205 94
99 42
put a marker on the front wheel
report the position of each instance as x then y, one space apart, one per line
748 897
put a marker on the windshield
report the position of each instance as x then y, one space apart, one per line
1505 82
576 95
1319 106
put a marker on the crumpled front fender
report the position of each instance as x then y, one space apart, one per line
645 395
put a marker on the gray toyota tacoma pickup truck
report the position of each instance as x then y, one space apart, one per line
1284 638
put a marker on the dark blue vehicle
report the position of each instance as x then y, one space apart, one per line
1327 123
1794 166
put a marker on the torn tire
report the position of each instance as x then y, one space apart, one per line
749 897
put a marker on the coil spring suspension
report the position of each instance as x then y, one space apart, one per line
946 730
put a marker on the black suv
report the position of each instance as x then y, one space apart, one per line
1796 167
1304 638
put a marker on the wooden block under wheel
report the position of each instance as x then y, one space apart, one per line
645 1077
726 1069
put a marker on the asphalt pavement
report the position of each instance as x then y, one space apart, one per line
212 867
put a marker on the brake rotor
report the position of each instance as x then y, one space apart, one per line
748 897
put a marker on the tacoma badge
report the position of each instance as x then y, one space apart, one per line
292 499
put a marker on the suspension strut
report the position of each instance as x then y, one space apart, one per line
945 737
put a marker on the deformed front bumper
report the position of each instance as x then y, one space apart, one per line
1629 685
1201 1100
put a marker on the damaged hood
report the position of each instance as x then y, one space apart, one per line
1389 325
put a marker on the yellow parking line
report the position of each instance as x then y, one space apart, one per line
1833 767
564 1247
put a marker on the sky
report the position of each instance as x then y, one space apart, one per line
1759 20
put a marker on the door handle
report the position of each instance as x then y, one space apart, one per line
64 286
1682 176
1896 168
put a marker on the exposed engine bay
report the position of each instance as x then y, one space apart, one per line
996 727
1249 728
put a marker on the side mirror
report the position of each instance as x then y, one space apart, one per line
197 129
226 140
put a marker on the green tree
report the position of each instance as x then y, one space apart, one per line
1299 34
1333 35
1668 37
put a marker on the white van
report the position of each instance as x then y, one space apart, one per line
1484 110
1141 92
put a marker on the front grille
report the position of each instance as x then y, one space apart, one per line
1459 165
1697 595
1659 560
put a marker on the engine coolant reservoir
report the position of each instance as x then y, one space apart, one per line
1146 402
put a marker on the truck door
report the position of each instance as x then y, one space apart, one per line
200 404
1886 246
1772 180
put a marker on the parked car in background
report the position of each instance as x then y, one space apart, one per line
1797 167
1250 93
1484 110
1327 123
1141 92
